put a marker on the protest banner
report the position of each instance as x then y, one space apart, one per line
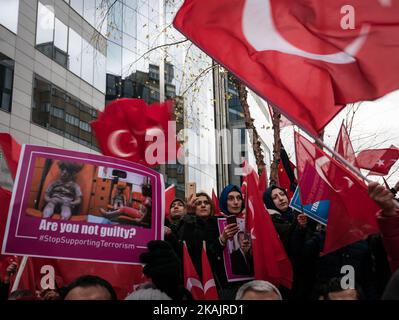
237 255
73 205
317 211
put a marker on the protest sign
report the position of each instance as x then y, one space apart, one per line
73 205
237 255
317 211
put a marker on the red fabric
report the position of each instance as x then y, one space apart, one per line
5 198
192 281
11 150
284 122
344 147
389 227
352 213
263 182
215 201
378 161
208 283
121 129
283 180
270 259
170 193
310 90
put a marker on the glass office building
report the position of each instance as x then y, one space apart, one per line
61 61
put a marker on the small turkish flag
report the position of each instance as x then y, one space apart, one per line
378 161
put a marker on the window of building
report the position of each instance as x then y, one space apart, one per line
6 82
65 46
9 14
61 113
45 29
74 52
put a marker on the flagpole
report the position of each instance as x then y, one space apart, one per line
19 273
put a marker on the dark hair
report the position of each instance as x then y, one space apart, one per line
90 281
267 197
177 200
204 194
71 167
146 190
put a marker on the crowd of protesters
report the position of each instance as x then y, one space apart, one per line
375 260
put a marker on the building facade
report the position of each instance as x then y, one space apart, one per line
61 61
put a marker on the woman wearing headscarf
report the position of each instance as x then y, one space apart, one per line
293 230
198 225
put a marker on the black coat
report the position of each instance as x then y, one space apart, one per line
241 265
194 230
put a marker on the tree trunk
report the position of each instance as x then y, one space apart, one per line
249 124
276 147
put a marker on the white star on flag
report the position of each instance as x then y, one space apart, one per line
380 163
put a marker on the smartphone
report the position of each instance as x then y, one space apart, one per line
231 219
191 188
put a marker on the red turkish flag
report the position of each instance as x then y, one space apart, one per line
344 147
215 201
208 283
378 161
352 213
283 179
299 54
169 197
192 281
11 150
271 262
122 128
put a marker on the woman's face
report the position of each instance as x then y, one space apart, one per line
234 202
177 210
202 207
280 200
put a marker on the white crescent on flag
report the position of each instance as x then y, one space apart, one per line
322 161
209 284
260 31
113 144
192 282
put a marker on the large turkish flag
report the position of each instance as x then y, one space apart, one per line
304 56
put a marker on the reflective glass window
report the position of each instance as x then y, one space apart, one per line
61 43
99 71
101 17
129 21
75 52
77 5
89 11
6 82
128 59
87 61
129 42
114 58
131 3
56 110
45 29
9 14
115 17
